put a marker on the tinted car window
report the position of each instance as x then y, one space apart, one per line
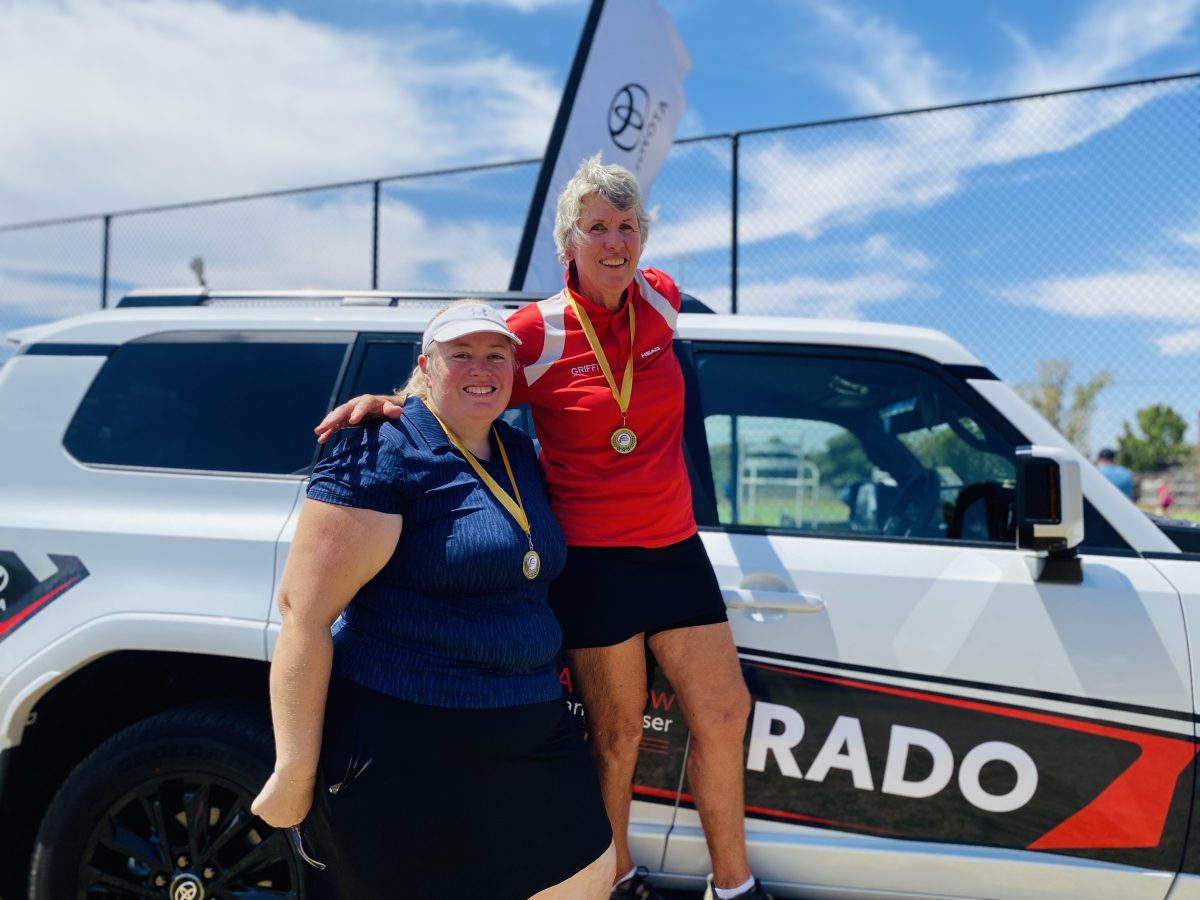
385 366
185 401
847 445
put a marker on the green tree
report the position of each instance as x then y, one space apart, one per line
1160 443
1048 397
842 461
942 448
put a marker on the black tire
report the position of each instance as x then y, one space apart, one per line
162 809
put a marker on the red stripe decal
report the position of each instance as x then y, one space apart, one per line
658 792
1130 812
20 616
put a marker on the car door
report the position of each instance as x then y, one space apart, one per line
929 717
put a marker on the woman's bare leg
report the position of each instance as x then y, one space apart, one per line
611 681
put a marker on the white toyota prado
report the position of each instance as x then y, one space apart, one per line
972 659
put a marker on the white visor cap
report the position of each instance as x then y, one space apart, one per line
464 319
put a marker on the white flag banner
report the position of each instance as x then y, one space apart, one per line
627 101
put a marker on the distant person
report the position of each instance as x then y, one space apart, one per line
1106 462
1165 499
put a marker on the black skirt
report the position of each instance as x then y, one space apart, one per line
425 802
606 595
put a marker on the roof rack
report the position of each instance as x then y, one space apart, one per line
157 297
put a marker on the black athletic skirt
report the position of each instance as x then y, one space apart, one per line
424 802
606 595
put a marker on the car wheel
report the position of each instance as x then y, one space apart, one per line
162 809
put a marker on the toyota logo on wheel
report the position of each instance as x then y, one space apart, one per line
627 115
187 887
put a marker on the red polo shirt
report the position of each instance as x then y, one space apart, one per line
603 498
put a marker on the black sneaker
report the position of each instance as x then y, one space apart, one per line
755 893
635 888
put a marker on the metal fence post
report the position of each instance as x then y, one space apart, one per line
375 239
104 264
733 215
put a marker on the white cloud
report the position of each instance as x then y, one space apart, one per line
1160 292
872 271
882 66
903 165
523 6
1108 38
828 298
285 242
33 300
1180 343
882 248
1188 238
911 163
125 102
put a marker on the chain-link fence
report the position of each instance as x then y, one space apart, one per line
1062 226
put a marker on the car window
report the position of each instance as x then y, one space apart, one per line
186 401
384 366
851 445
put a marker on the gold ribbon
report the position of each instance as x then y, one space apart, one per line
515 509
622 396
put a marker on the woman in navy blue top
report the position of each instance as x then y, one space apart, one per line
419 727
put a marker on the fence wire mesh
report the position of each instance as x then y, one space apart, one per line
1062 227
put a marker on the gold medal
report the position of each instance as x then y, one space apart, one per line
623 440
531 565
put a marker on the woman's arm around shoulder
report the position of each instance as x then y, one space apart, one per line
355 411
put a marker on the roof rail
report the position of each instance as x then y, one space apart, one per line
158 297
147 297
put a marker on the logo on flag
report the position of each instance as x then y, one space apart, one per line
623 99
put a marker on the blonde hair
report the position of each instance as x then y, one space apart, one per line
418 382
614 183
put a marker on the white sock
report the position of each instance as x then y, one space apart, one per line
730 893
627 876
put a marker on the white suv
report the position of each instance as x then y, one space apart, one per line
971 657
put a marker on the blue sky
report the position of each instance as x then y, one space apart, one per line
112 104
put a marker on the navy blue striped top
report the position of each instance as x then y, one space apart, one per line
450 620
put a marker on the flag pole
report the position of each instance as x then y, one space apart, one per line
549 161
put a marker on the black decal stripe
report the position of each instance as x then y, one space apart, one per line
50 349
1129 813
8 626
981 685
980 373
70 572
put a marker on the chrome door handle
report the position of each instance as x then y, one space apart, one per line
780 601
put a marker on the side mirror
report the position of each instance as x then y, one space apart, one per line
1049 513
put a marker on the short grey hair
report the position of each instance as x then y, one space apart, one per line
614 183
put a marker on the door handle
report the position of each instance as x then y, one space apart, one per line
780 601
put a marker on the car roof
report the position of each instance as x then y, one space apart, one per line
116 326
